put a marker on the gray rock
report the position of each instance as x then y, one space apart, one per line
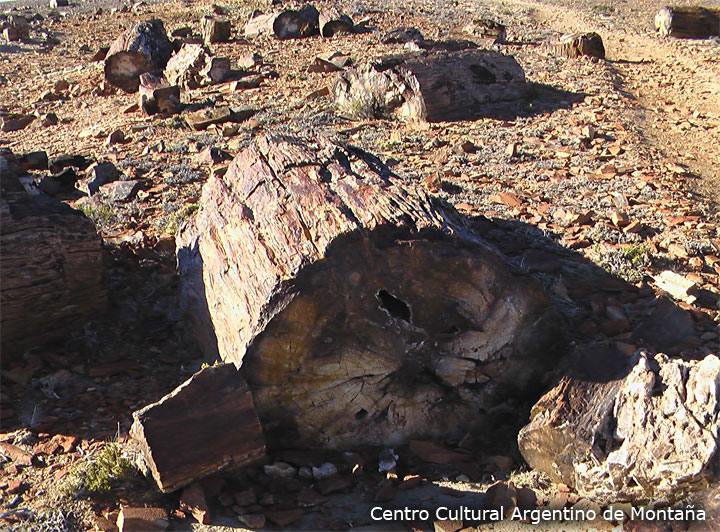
646 435
98 175
280 469
120 191
326 470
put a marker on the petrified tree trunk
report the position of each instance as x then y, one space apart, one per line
215 30
52 270
577 44
207 424
485 29
156 96
434 87
291 24
193 66
144 48
332 22
360 309
688 22
647 432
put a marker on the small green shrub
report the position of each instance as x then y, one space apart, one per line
102 473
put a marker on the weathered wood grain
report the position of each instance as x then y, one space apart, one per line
435 86
360 308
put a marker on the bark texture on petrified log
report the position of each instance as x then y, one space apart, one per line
144 48
577 44
645 433
688 22
360 308
434 86
52 271
206 425
215 30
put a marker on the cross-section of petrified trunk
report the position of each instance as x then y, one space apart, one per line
361 309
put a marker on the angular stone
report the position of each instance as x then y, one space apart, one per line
285 517
98 175
132 519
207 424
308 497
15 454
667 327
253 521
14 122
217 115
120 191
193 500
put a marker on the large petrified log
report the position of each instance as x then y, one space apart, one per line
575 45
143 48
207 424
52 269
432 86
646 433
360 308
688 22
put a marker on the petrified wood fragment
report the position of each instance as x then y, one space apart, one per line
645 433
207 424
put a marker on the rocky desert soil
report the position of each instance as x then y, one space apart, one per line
609 165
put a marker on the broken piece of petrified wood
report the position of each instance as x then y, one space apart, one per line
578 44
485 30
156 96
215 29
207 424
645 432
193 66
143 48
429 87
361 309
52 270
688 22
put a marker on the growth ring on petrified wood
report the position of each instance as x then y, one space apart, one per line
431 87
360 309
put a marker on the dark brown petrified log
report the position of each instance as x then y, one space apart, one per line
434 86
688 22
52 270
292 24
359 308
578 44
143 48
332 22
206 425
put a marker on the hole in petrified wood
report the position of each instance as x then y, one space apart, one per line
397 308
